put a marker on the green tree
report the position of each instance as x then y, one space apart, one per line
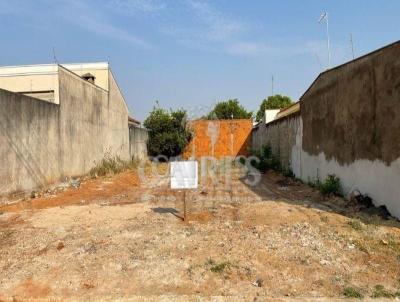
273 102
168 132
227 110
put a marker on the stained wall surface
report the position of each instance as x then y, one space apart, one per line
138 138
280 135
349 126
29 142
41 142
219 138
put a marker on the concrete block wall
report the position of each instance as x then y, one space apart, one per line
41 142
280 135
29 142
349 126
138 138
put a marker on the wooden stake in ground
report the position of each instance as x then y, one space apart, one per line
185 218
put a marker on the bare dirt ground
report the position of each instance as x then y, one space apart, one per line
121 238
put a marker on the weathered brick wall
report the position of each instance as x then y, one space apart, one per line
219 138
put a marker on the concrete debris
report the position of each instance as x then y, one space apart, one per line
59 187
258 282
358 199
363 203
75 183
324 262
380 211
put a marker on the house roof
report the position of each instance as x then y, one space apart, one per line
132 120
48 68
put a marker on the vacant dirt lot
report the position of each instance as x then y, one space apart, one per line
118 238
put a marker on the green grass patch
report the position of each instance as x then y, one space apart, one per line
218 267
324 218
356 224
381 292
351 292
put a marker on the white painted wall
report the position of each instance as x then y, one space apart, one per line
379 181
270 115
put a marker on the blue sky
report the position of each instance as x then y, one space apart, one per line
192 53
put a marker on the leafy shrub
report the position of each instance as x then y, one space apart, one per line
287 172
268 161
168 132
331 185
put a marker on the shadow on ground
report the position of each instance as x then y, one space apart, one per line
172 211
276 187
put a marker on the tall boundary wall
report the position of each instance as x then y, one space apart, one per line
138 138
219 138
42 142
281 135
349 125
29 142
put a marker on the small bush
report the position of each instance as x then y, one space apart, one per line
331 185
324 219
381 292
268 161
351 292
356 224
218 267
287 172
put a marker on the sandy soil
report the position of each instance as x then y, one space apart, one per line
119 238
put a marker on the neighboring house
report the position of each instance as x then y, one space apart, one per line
58 121
274 114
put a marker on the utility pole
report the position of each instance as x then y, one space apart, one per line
352 45
272 85
324 17
54 55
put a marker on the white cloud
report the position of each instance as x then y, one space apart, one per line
218 26
84 14
135 6
213 30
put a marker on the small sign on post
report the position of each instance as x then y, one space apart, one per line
184 175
